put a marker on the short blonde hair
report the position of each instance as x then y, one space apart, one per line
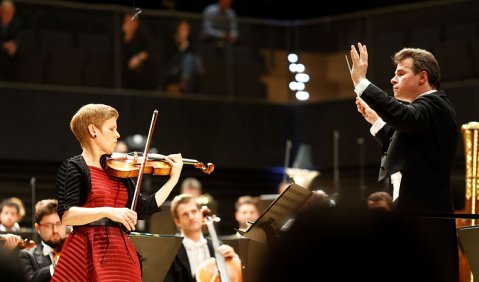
244 200
95 114
178 200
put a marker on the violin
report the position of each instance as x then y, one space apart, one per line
219 268
128 165
24 244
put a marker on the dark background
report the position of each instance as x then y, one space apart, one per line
265 9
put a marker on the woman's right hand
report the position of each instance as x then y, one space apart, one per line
124 216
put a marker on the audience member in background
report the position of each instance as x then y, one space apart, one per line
39 262
220 24
9 216
246 211
138 68
182 64
380 201
195 248
9 29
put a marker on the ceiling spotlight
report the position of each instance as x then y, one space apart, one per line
300 68
302 95
302 77
292 58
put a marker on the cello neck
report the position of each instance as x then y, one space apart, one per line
220 260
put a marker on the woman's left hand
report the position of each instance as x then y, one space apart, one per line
176 162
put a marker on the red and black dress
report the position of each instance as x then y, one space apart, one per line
100 251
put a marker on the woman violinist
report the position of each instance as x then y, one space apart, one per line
95 204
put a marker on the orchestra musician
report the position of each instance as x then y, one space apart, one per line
96 204
195 248
39 263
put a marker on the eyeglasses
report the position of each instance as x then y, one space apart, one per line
50 225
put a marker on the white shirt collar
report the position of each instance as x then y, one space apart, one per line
190 244
47 250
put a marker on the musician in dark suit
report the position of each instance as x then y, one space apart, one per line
195 248
38 263
418 132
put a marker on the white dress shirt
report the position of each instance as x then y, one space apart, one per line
396 177
197 252
49 251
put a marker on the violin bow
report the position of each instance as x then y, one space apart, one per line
145 157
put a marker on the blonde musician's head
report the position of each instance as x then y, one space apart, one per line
192 186
246 211
186 214
89 119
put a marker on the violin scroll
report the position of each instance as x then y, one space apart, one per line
208 169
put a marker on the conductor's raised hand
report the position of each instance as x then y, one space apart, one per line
359 58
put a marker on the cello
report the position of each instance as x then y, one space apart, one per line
219 268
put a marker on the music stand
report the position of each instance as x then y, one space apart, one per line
157 253
269 224
469 242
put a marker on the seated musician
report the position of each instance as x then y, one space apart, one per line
9 216
97 204
39 263
247 211
195 248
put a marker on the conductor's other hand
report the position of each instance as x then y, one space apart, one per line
359 59
369 114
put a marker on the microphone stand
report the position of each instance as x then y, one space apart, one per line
32 184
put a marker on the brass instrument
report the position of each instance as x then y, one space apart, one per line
470 133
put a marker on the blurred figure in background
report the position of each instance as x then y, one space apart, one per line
220 25
380 201
182 64
9 29
138 71
246 211
283 185
121 147
9 216
192 186
21 207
